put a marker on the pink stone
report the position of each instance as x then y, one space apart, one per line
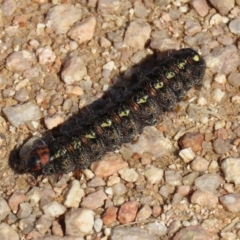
204 198
192 233
110 216
110 165
127 212
15 200
94 200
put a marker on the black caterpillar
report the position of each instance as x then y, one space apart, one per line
158 91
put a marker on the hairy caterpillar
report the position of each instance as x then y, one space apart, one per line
160 89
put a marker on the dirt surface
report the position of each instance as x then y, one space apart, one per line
56 61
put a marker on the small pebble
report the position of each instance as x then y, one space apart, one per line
119 189
187 155
96 182
221 146
137 34
24 210
20 114
132 233
8 7
199 164
208 182
83 31
94 200
45 55
233 79
79 222
192 140
44 223
108 6
128 174
231 169
54 121
74 195
4 209
54 209
154 175
205 199
234 26
127 212
15 199
7 232
110 216
192 233
98 223
144 213
173 178
200 6
109 165
223 7
190 178
20 61
157 228
58 17
231 202
73 70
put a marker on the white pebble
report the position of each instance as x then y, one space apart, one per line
54 209
74 195
88 173
109 66
61 17
107 231
79 222
220 78
187 155
154 175
202 101
219 124
231 169
46 55
54 121
109 191
74 90
217 94
236 99
83 31
98 223
199 164
73 70
128 174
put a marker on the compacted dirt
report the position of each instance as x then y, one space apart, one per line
63 62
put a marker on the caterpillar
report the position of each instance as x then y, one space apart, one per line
158 91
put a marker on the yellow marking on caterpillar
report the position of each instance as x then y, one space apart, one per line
159 85
90 135
143 99
108 123
196 58
182 64
60 152
76 144
124 113
170 75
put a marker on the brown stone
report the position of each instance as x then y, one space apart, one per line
110 216
192 140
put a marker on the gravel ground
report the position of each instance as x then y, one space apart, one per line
180 179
